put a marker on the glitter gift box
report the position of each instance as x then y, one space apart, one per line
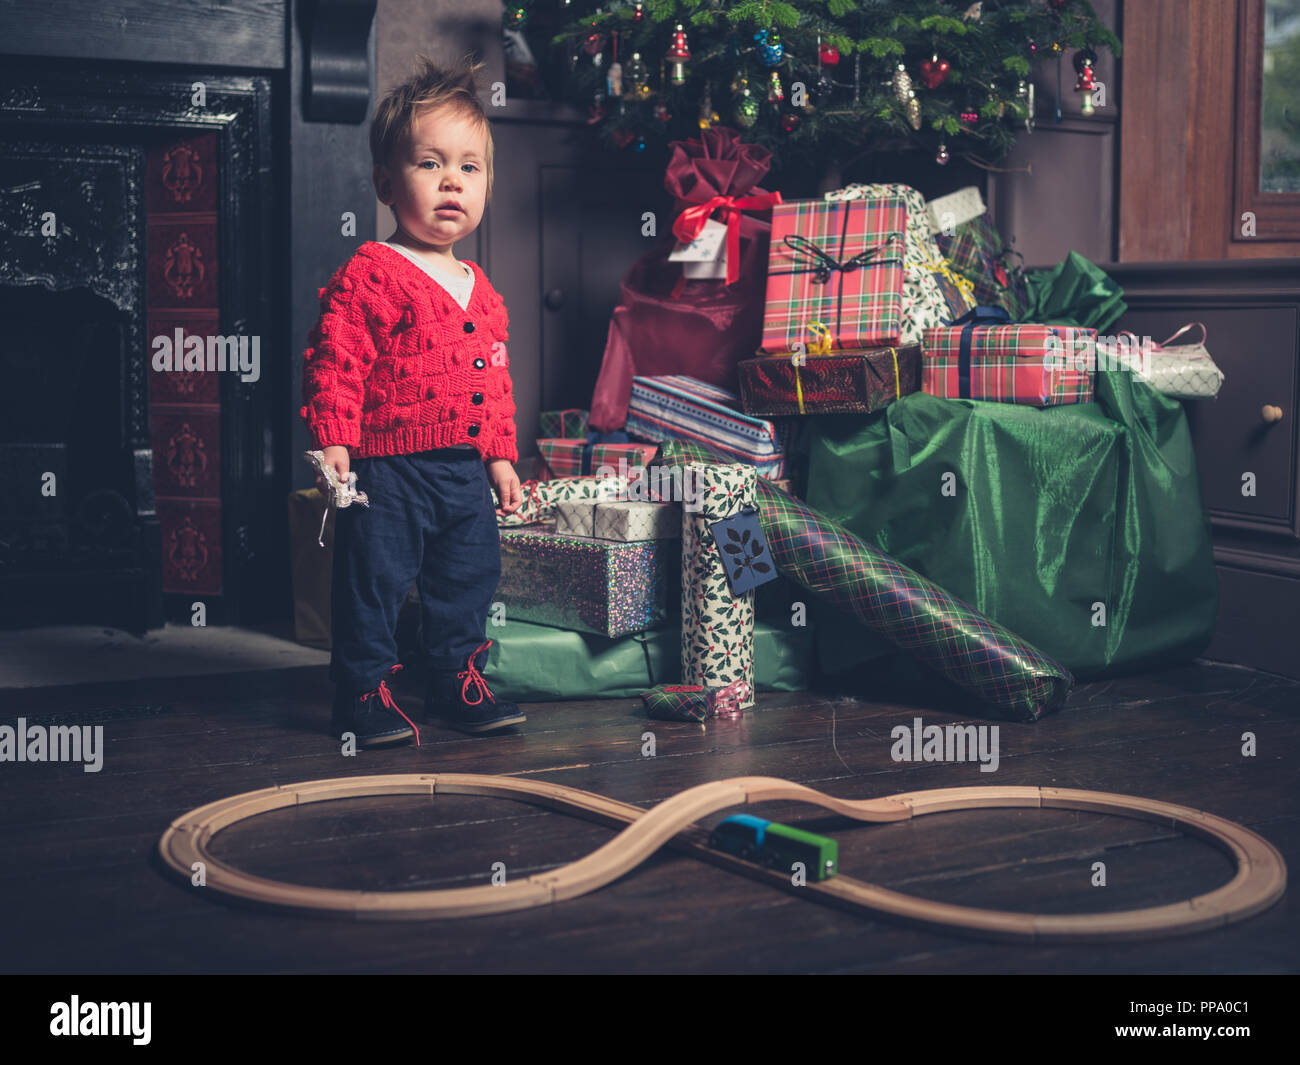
570 422
677 407
623 520
587 585
842 382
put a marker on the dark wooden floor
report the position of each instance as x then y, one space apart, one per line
80 865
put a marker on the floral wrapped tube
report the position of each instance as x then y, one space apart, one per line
717 626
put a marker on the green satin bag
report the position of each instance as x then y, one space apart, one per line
1080 528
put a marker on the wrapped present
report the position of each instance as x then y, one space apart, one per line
570 423
839 262
981 357
579 458
530 663
541 497
896 603
932 292
977 252
665 324
576 582
946 213
682 408
717 625
1183 371
838 383
621 520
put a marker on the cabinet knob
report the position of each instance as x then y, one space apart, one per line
1271 414
554 299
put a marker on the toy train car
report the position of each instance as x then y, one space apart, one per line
775 845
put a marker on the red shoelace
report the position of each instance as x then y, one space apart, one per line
386 697
473 676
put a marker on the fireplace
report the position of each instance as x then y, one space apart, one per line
134 201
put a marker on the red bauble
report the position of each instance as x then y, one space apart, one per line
830 55
789 121
933 71
593 44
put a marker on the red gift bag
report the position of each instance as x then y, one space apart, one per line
663 325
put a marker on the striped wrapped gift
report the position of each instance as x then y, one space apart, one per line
839 262
677 407
1036 365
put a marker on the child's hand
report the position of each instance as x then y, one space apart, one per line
336 455
502 477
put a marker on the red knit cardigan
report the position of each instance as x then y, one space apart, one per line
397 366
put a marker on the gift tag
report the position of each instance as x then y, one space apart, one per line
744 551
706 248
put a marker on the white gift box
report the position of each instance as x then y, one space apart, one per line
625 520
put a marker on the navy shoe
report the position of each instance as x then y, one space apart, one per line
463 700
373 717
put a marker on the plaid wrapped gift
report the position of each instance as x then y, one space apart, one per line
677 407
570 423
621 520
839 383
1037 365
839 262
977 252
677 702
578 458
586 585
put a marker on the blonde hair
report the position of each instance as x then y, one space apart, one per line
430 87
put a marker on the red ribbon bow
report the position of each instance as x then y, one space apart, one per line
474 677
690 223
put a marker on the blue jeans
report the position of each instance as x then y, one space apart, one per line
430 521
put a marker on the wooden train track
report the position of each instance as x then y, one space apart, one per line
1260 878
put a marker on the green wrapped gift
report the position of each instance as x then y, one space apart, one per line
1080 527
536 663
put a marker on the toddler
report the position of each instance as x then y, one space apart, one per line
407 383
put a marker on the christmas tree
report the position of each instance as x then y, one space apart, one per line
818 81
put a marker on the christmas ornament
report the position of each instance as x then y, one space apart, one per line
594 43
614 79
933 71
677 56
969 117
636 78
661 112
942 156
825 87
1086 82
828 54
708 117
770 49
775 94
640 144
744 104
516 16
907 96
790 121
1025 94
638 12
